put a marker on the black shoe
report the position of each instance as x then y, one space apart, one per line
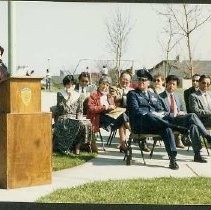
173 164
199 159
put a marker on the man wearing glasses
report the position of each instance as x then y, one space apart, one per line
84 88
189 91
200 101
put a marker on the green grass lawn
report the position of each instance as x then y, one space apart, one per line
61 161
137 191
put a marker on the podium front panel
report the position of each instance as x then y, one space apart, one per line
27 150
20 95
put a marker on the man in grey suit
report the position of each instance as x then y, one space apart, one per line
173 104
200 101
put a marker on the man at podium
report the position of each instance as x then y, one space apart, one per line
3 69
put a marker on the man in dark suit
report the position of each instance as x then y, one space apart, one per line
147 114
189 91
178 115
3 69
200 101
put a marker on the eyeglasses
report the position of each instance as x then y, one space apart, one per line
195 80
206 83
142 79
85 81
156 80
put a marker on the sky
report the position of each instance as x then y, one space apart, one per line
61 35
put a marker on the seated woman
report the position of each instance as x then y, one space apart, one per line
157 84
100 104
69 132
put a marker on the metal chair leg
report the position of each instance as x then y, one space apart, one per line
101 138
205 144
112 137
142 154
153 147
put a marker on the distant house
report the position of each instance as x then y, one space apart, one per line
58 79
181 68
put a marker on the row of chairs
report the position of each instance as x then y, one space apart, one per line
138 138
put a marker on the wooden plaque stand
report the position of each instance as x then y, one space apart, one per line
25 134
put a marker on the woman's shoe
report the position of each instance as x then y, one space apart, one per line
122 148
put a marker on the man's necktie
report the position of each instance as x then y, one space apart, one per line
82 89
146 95
171 103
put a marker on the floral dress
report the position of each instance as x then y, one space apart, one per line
69 131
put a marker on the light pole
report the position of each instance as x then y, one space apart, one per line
49 60
11 37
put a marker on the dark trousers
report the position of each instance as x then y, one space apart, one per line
153 124
196 127
109 123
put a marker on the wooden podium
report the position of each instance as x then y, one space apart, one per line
25 134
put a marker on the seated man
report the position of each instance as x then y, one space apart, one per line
84 88
189 91
3 69
200 101
173 105
147 115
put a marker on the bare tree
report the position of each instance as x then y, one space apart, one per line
187 20
169 42
118 28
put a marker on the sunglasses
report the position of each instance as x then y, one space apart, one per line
142 79
156 80
206 83
195 80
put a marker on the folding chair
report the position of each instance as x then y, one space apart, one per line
204 140
111 137
138 138
101 139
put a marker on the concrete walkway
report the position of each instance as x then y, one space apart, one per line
110 165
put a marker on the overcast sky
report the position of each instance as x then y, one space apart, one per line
60 34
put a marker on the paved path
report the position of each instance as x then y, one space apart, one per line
110 165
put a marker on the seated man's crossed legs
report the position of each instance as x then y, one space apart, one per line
196 127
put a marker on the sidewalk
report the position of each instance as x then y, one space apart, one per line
110 165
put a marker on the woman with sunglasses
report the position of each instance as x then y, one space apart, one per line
157 84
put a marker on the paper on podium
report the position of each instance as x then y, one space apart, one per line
116 112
